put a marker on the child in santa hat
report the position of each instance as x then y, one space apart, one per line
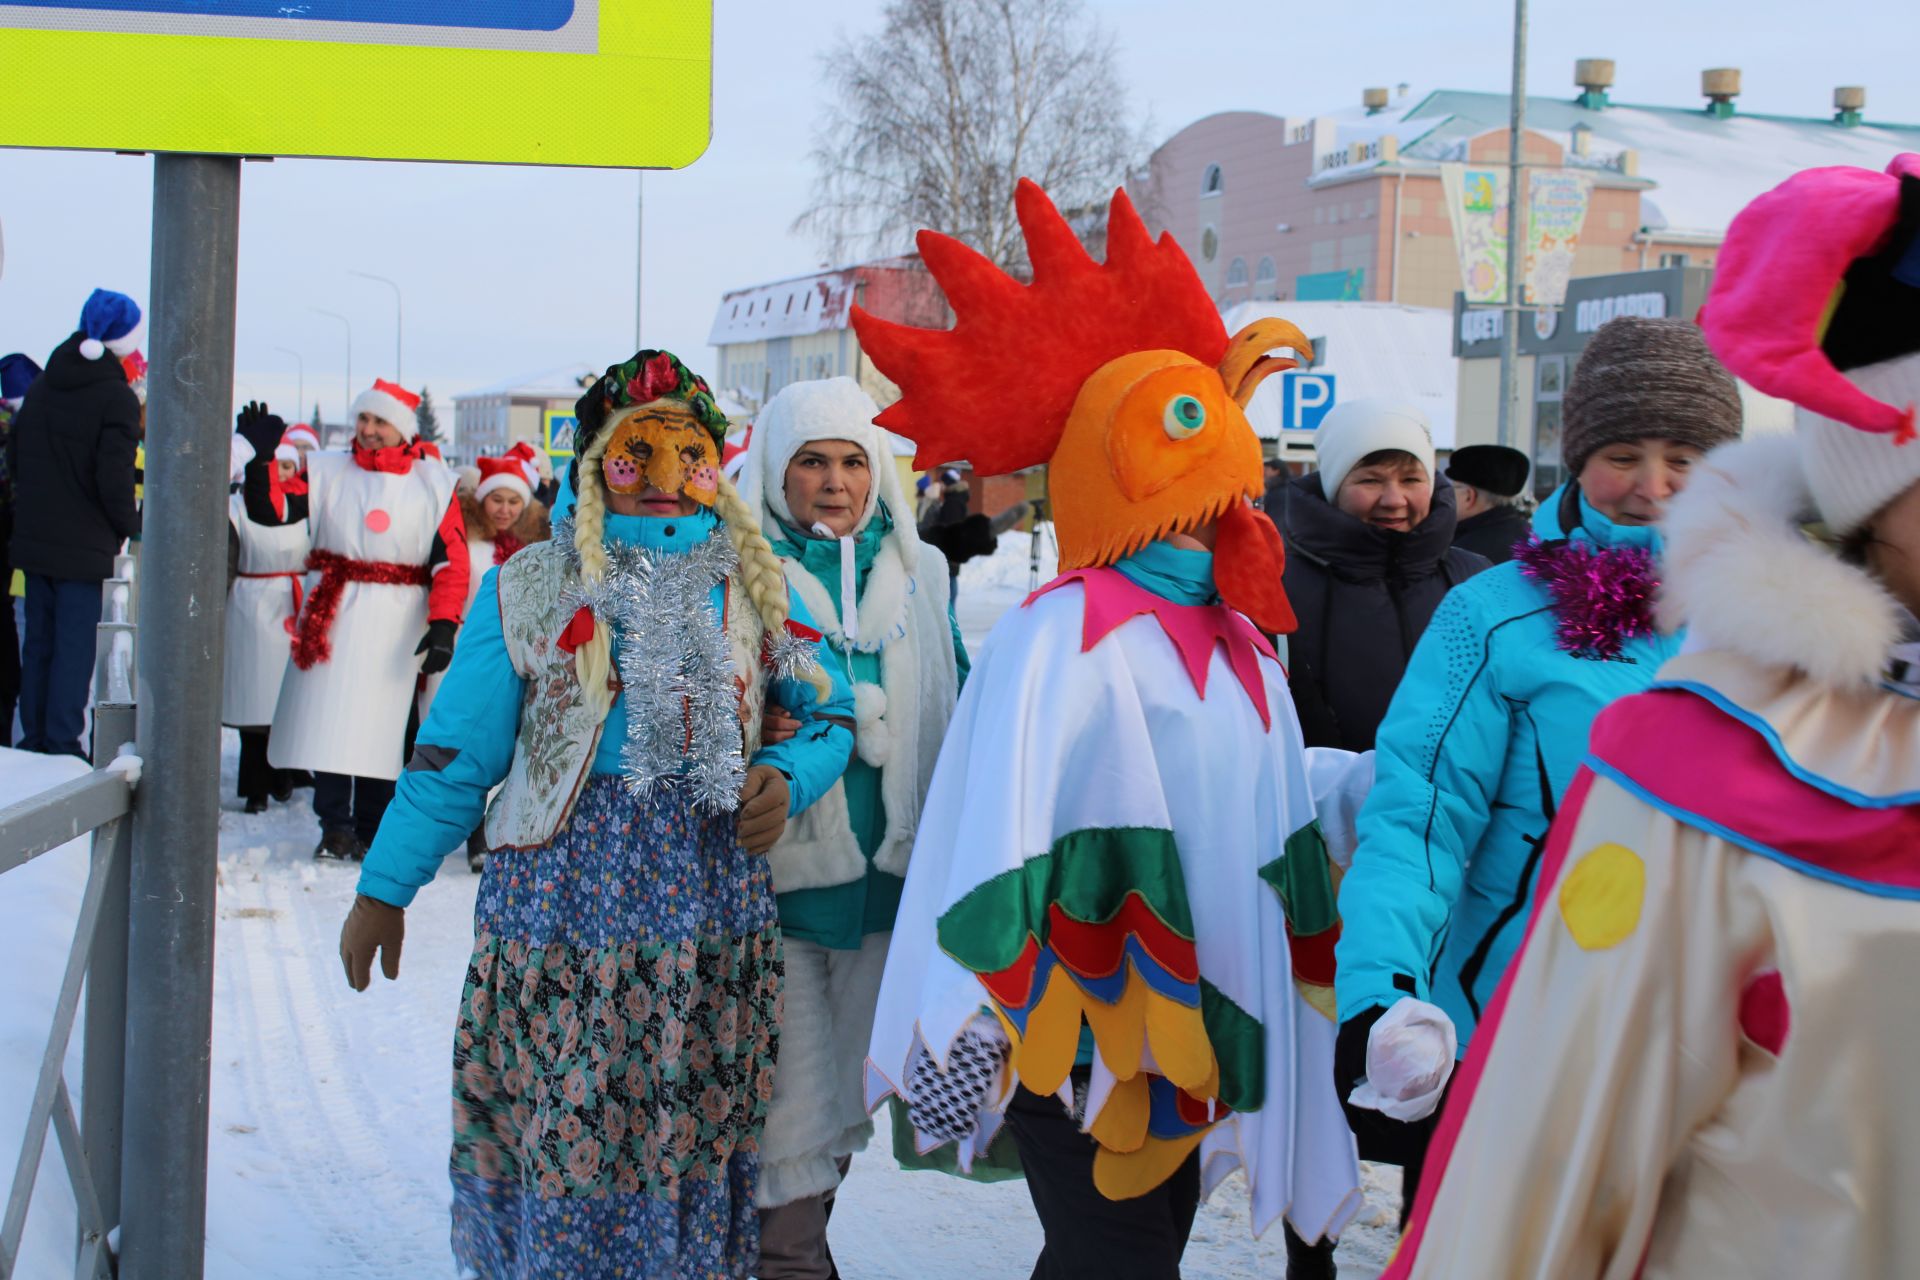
388 566
614 1057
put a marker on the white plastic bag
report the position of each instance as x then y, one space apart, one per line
1410 1054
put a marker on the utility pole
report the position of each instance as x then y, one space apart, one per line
1516 230
346 404
399 318
299 401
176 823
640 250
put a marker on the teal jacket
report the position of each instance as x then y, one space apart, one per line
476 717
840 916
1482 739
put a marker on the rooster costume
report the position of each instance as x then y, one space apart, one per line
1698 1062
1119 834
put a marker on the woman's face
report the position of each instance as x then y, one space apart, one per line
828 483
1632 482
503 508
1894 552
1395 493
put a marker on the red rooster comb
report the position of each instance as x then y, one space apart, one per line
997 388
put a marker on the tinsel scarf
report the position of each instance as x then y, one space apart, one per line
676 667
313 642
1602 597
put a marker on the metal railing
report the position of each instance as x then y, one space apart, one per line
100 803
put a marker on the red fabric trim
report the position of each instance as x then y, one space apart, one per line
1112 598
578 631
312 643
453 571
396 460
1466 1081
1690 754
1098 950
292 623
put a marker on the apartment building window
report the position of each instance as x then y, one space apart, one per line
1266 275
1675 259
1214 182
1237 273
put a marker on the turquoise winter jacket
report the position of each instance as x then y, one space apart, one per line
1480 742
476 718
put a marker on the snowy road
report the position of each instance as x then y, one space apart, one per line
329 1110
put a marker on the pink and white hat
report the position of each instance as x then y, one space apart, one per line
510 472
1816 299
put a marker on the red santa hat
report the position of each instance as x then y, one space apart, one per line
391 401
301 436
510 472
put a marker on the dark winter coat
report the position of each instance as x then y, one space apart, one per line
72 454
1363 597
1494 533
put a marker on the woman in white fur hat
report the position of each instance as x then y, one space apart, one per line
821 478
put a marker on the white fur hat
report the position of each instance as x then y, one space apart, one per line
823 409
1353 429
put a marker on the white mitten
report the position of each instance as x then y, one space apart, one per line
1410 1054
1339 781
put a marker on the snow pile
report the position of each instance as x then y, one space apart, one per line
1009 567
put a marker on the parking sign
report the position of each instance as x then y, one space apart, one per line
1305 399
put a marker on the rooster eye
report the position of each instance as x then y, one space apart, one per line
1184 417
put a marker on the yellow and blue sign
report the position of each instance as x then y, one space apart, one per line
558 429
608 83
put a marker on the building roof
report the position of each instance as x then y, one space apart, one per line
561 383
1704 169
817 303
1373 349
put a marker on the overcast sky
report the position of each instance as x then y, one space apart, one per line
508 271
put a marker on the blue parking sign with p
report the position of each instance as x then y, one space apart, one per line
1305 399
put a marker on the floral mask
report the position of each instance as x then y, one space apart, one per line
663 445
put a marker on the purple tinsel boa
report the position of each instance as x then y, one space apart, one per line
1602 597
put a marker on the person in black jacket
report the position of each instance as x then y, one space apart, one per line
1370 553
1488 480
17 373
71 453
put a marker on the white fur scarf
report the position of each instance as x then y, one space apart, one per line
1741 576
899 724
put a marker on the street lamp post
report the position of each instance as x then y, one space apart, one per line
346 406
399 318
1516 229
300 400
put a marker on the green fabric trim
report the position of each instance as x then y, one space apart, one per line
1239 1046
1088 872
1001 1163
1303 877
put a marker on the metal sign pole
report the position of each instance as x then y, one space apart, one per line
1516 230
196 235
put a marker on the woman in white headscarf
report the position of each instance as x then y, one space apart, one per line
821 478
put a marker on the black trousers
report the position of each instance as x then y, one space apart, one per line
1089 1237
350 804
256 775
9 640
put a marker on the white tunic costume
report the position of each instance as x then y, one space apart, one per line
261 607
348 715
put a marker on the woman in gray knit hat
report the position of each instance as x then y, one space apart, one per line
1490 723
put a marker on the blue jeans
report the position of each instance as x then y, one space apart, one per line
56 664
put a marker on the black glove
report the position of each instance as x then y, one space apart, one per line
1380 1137
260 428
437 644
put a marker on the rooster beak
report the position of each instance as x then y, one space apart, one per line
1247 364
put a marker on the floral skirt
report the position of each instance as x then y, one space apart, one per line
614 1058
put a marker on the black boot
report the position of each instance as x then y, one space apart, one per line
339 846
476 853
1308 1261
256 804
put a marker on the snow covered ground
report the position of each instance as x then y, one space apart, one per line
330 1122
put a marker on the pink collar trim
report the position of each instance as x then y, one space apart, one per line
1112 598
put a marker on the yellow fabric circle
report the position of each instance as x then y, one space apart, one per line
1600 898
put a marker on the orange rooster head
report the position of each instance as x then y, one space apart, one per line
1120 376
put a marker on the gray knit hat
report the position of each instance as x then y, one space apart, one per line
1640 378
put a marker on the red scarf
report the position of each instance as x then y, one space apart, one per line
504 545
396 459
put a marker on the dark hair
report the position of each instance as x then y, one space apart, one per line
1380 457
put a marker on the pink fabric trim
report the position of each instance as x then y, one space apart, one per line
1681 748
1453 1115
1112 598
1765 1016
1782 258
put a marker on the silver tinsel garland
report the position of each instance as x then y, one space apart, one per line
681 702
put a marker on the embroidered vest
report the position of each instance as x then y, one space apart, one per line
559 731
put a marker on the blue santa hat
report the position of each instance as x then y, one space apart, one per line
110 322
17 373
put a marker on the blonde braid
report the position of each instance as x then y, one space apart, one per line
593 661
760 570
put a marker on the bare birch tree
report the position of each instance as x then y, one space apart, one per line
934 118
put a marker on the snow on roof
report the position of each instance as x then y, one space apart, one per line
562 383
1704 169
817 303
1379 349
